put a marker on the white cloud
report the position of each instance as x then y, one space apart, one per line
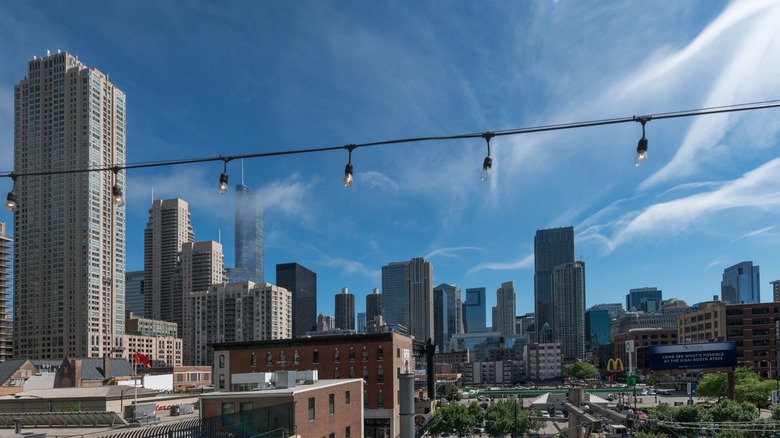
757 190
450 252
525 262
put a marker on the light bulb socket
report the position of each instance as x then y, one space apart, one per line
488 163
348 175
10 202
223 183
641 147
116 193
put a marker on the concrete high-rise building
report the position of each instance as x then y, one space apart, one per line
407 297
645 299
741 284
568 327
249 235
302 283
6 323
505 309
201 265
134 293
420 299
552 247
69 235
775 290
475 317
236 312
168 228
373 306
345 310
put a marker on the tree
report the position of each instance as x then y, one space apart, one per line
454 418
453 393
748 387
582 370
506 414
730 410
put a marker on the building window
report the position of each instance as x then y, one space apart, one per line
380 353
365 399
253 360
221 381
380 375
222 361
331 404
347 399
336 373
228 409
365 374
365 354
296 358
351 372
336 355
351 354
316 357
380 399
311 409
269 359
347 433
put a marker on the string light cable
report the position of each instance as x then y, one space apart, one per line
486 167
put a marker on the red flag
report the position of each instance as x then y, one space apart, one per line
143 359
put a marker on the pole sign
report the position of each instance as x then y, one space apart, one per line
693 356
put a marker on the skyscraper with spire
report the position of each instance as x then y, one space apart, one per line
249 243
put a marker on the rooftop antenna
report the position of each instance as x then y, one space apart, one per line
219 235
242 171
152 194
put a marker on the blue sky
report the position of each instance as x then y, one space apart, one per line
205 78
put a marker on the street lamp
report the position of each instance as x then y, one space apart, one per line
18 396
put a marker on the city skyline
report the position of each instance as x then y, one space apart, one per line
199 83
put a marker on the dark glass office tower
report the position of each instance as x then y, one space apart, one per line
741 284
552 247
303 285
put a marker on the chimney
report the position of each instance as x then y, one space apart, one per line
106 367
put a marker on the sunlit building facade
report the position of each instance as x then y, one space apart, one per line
69 235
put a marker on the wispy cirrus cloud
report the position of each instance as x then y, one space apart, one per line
525 262
450 252
757 191
351 267
754 233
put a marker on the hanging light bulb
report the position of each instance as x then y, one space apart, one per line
641 147
116 191
348 170
10 200
116 194
223 179
487 164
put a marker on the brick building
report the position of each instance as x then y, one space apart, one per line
643 339
322 408
378 358
752 326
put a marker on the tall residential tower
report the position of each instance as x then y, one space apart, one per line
552 247
69 235
169 227
249 236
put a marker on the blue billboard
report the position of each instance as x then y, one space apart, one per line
693 356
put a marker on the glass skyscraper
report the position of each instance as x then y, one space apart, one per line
741 284
637 299
248 237
303 285
475 320
552 247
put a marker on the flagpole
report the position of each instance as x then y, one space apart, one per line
135 384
